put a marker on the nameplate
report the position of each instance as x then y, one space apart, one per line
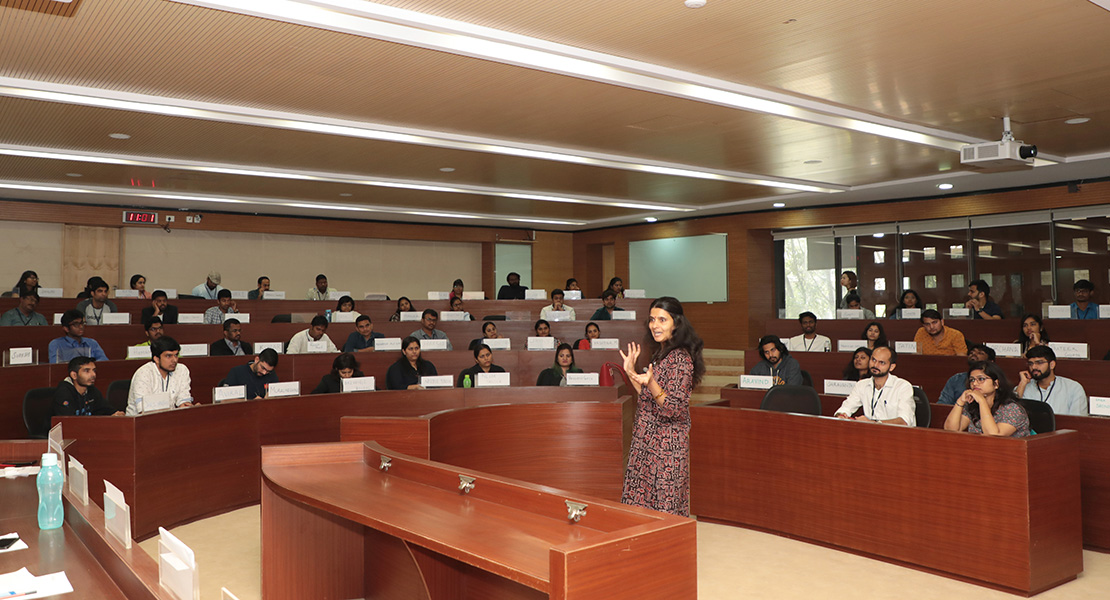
624 315
911 313
411 315
452 315
849 313
839 387
605 344
272 295
849 345
20 356
572 294
58 318
357 384
959 312
1104 311
905 347
1059 312
439 295
278 347
171 293
229 392
281 389
387 344
78 480
1100 406
437 381
239 295
117 515
336 295
343 317
535 294
50 292
559 315
541 343
1068 350
633 293
498 343
156 402
126 294
242 317
582 379
177 568
194 350
474 295
116 318
316 346
190 318
138 352
1005 349
492 380
756 382
432 345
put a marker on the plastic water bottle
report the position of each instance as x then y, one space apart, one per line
327 315
51 513
466 381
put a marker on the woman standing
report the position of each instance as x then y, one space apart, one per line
658 475
849 281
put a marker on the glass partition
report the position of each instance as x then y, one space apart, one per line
1081 249
1016 261
935 266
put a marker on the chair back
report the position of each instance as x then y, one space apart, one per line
807 379
494 318
922 412
37 410
1041 417
792 399
117 394
282 318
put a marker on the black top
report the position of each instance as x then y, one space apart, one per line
473 372
329 384
603 315
511 292
169 316
553 376
256 386
401 375
67 402
220 348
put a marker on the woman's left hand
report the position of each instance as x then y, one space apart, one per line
643 379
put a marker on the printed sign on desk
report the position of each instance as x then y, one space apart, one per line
1057 311
582 379
283 388
243 318
849 345
1005 349
58 318
140 352
21 356
411 315
437 381
498 343
50 292
357 384
278 347
336 295
957 313
634 293
911 313
624 315
839 387
536 295
572 294
191 318
492 380
541 343
474 295
1100 406
1068 350
559 315
756 382
452 315
316 346
194 350
605 344
343 317
433 345
273 295
116 318
849 313
1104 311
171 293
239 295
126 293
905 347
387 344
229 392
439 295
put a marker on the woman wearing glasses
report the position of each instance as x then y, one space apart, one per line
988 406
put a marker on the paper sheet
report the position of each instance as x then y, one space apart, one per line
22 582
20 545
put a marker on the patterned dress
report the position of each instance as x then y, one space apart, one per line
1012 414
658 475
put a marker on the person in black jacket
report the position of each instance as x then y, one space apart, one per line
564 363
231 344
513 291
77 395
405 374
483 363
161 308
344 366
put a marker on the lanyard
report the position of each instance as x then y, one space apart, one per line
1044 396
166 382
875 399
97 316
810 343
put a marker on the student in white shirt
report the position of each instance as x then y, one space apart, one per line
162 375
809 340
884 397
557 296
317 331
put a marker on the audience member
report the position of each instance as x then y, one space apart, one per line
592 333
556 375
317 331
263 287
77 395
231 344
362 338
405 374
346 304
777 362
428 331
86 293
138 283
210 287
853 302
224 305
608 306
255 375
320 292
572 284
934 338
512 291
457 288
860 366
161 377
1065 396
403 305
957 384
1083 308
809 340
489 332
616 284
161 308
909 299
989 406
97 303
153 329
848 280
557 296
884 397
1033 333
345 366
73 343
457 306
29 280
875 335
24 313
543 329
979 301
483 363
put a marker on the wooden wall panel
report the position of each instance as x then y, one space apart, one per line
552 260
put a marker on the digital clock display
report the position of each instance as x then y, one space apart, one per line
132 216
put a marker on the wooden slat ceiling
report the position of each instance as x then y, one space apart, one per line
954 66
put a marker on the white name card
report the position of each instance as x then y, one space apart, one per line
911 313
605 344
177 567
624 315
357 384
432 345
849 345
242 317
584 379
535 294
849 313
1068 350
239 295
541 343
194 350
559 315
756 382
117 515
336 295
452 315
78 480
283 388
229 392
115 318
387 343
138 352
1100 406
272 295
278 347
191 318
58 318
633 293
156 402
171 293
474 295
572 294
439 295
905 347
343 317
1059 312
1005 349
411 315
498 343
316 346
126 293
50 292
959 312
839 387
1104 311
20 356
437 381
492 380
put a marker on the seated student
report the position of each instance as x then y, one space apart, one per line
346 304
154 330
1065 396
86 293
210 287
557 374
777 362
29 280
97 303
231 344
403 305
224 305
73 343
255 375
909 299
161 308
933 338
572 284
592 333
1033 333
483 363
138 283
616 284
362 338
457 306
77 395
608 306
317 331
24 314
456 291
957 384
853 302
1083 308
512 291
321 290
263 287
557 296
405 374
809 340
989 406
428 320
979 301
489 332
874 335
161 376
344 366
543 329
860 366
884 397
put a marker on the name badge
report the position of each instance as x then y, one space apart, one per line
316 347
155 403
959 312
433 345
452 315
559 315
343 317
282 389
905 347
336 295
58 318
1005 349
572 294
911 313
1100 406
171 293
272 295
230 392
634 293
411 315
492 380
242 317
1059 312
20 356
278 347
541 343
194 350
138 352
582 379
439 295
437 381
239 295
357 384
116 318
624 315
849 313
605 344
388 343
1068 350
50 292
123 294
839 387
191 318
474 295
498 343
849 345
1104 311
535 294
756 382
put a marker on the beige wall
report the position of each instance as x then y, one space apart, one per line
30 246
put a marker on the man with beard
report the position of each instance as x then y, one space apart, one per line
809 340
77 394
1065 396
957 384
777 362
884 397
162 376
934 338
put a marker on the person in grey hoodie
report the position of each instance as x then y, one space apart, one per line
777 362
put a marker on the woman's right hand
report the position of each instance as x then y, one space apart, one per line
630 358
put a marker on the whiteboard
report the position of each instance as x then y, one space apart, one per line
692 269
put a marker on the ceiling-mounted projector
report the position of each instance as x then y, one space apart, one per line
1005 155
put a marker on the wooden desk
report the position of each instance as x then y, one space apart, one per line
907 495
336 526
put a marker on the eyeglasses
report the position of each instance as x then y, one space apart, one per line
1036 363
979 379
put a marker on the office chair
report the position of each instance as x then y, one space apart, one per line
117 393
285 318
37 410
922 412
493 318
1041 417
792 399
807 379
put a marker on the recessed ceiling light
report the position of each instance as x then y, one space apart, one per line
694 3
812 162
650 219
944 186
73 174
878 235
779 205
447 169
345 195
119 136
1077 120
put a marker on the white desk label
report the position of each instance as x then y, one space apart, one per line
431 345
492 380
336 295
116 318
283 388
541 343
905 347
498 343
1104 311
959 312
239 295
357 384
273 295
756 382
278 347
387 344
624 315
572 294
584 379
138 352
171 293
535 294
839 387
437 381
229 392
242 317
50 292
78 480
452 315
849 345
439 295
849 313
1005 349
911 313
1059 312
126 293
634 293
194 350
191 318
1100 406
605 344
58 318
20 356
343 317
474 295
559 315
1068 350
155 403
411 315
316 346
